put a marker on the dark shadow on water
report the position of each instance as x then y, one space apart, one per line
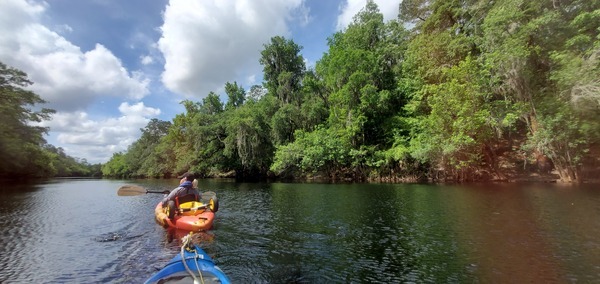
115 236
13 187
197 237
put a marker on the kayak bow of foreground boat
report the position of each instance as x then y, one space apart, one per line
192 263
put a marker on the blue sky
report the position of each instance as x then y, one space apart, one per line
109 66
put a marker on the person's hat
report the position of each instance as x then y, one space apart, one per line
189 176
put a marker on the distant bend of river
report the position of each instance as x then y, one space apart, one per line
79 230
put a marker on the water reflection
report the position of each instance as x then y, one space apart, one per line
501 236
74 231
364 233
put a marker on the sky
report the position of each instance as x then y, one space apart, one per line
110 66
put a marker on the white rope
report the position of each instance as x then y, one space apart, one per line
198 267
186 241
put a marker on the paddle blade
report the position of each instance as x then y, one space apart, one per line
131 190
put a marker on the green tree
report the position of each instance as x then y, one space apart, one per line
64 165
360 71
469 92
457 114
356 84
534 50
325 152
181 137
142 158
575 73
283 68
212 104
20 141
116 166
248 140
315 107
236 95
209 131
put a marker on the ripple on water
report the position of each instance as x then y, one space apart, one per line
295 233
110 237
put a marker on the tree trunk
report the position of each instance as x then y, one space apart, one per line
567 170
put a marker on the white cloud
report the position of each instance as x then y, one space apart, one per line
63 75
71 80
146 60
389 9
251 80
206 43
63 29
302 16
98 139
138 109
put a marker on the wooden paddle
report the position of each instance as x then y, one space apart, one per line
132 190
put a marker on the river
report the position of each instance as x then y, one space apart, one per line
80 231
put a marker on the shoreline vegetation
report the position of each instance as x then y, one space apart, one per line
448 92
483 92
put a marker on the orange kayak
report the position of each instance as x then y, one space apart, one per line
191 216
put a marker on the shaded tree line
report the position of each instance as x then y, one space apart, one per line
24 151
456 90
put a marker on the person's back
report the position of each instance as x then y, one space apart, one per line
187 184
183 192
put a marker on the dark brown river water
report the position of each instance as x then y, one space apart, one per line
80 231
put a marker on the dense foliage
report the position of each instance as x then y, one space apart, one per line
22 146
473 90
